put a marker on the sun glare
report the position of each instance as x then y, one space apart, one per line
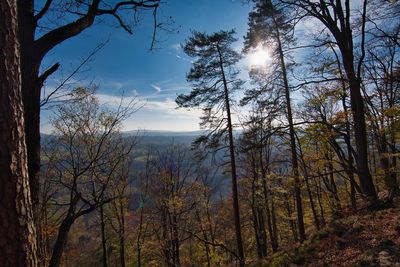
259 57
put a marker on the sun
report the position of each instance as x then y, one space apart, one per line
259 57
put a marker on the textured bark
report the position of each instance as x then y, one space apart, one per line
17 231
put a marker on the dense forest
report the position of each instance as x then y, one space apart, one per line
297 162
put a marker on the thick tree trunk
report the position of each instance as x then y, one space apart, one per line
31 86
17 231
360 136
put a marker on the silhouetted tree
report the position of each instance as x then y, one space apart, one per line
85 154
336 16
32 19
214 79
270 25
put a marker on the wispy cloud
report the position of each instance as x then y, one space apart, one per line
156 87
165 106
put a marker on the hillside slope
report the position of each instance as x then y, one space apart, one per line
361 238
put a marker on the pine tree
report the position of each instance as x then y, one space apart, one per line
269 25
214 79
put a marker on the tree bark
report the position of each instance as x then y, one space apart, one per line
17 231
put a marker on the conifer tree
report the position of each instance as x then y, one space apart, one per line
214 79
270 26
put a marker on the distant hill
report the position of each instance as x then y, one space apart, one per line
163 133
161 138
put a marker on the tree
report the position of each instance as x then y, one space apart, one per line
270 25
35 44
85 154
214 79
17 231
381 88
337 18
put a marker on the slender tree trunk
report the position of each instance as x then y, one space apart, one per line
274 224
176 242
272 233
389 179
319 198
310 195
235 195
17 231
312 204
205 238
289 214
353 200
61 241
122 235
295 164
258 221
139 237
103 237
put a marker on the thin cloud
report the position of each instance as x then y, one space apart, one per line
156 87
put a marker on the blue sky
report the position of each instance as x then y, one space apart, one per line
126 65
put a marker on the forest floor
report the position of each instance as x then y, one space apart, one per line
358 238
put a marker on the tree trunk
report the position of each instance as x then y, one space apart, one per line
312 204
349 172
235 195
61 241
258 217
122 235
139 237
295 164
289 214
103 237
272 233
360 136
17 231
30 64
176 242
